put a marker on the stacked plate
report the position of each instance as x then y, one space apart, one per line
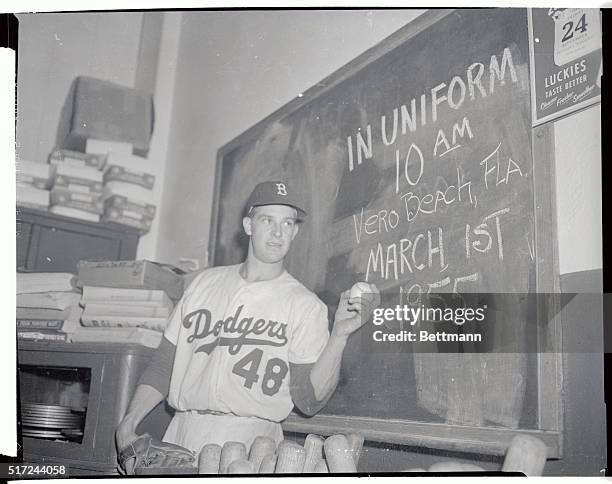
51 421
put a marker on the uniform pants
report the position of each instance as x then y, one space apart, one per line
193 430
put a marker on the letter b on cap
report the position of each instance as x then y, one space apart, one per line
281 189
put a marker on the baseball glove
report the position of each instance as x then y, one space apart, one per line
148 452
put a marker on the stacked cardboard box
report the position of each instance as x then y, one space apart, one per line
132 274
128 185
33 181
102 127
125 308
128 293
95 108
77 184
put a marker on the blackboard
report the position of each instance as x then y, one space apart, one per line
416 164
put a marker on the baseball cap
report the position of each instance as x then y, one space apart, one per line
274 193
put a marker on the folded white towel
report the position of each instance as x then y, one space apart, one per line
35 282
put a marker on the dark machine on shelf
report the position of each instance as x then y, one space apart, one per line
72 397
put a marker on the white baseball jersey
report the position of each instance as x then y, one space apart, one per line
234 341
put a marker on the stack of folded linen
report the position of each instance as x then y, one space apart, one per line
47 306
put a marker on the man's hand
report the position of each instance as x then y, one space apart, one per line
150 453
144 400
352 313
125 434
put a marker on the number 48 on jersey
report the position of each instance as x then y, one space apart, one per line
269 375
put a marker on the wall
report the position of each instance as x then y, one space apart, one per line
579 228
160 74
578 176
53 49
235 68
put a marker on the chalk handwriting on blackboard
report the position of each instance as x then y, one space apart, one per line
411 252
409 117
485 230
457 131
492 165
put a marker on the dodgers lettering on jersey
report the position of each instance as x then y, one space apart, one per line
234 341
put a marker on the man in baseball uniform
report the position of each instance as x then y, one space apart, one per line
247 342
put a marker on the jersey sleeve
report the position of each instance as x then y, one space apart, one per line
310 335
159 370
174 323
302 391
171 332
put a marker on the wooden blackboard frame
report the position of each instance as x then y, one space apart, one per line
483 440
